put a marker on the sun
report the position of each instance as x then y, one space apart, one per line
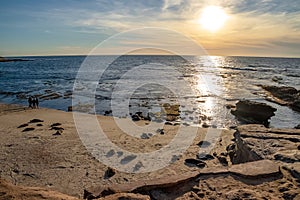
213 18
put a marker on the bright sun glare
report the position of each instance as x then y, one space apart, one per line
213 18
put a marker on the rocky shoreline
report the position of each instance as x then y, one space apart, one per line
250 162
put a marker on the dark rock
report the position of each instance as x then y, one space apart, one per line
169 123
160 131
194 162
284 96
284 93
39 125
203 144
56 128
140 114
233 127
107 112
50 96
204 156
295 105
28 129
253 112
146 135
205 125
297 127
289 195
230 106
55 124
70 108
22 125
57 133
223 160
287 157
36 121
148 117
135 118
110 172
128 159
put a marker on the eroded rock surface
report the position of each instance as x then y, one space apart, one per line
253 112
284 96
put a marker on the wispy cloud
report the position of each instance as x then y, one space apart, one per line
253 24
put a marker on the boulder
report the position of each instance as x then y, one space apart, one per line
253 112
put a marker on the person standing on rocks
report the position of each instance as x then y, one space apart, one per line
30 101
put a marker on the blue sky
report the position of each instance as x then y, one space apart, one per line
255 28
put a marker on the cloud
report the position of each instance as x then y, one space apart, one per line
253 24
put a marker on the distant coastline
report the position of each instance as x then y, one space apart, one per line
2 59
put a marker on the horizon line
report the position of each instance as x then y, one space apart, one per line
61 55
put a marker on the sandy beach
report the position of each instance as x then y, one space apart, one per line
34 154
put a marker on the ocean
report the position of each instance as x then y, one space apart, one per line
202 86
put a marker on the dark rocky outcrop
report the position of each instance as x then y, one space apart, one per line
253 112
284 96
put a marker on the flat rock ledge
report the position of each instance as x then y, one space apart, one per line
250 170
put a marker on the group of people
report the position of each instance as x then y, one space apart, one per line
33 102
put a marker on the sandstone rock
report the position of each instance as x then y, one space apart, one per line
126 196
289 156
172 111
256 169
9 191
255 142
141 186
253 112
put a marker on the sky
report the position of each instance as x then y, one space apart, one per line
73 27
